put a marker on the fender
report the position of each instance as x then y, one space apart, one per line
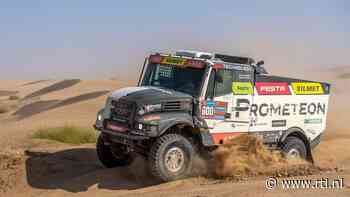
298 132
172 120
203 135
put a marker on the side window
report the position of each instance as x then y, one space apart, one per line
242 85
223 82
244 76
227 81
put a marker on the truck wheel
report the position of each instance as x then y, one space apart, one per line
111 158
293 147
171 157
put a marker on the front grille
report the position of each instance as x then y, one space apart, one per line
122 111
172 106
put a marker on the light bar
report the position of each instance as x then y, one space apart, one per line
156 59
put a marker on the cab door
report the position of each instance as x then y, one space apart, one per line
242 91
226 107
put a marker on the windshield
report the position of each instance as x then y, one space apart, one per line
183 79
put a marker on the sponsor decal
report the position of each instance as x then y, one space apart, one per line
237 67
305 88
165 71
313 121
174 61
244 76
214 110
235 125
312 131
279 123
272 88
279 109
255 122
115 127
242 88
269 136
151 119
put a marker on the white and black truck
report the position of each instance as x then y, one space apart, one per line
192 102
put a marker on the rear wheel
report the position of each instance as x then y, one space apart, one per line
293 147
112 156
171 157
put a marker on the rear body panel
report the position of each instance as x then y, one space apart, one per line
280 103
272 106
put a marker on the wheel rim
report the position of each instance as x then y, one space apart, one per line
174 159
293 153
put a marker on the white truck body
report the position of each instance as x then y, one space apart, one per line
266 106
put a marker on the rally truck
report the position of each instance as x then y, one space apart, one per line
188 103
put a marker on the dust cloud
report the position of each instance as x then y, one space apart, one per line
246 156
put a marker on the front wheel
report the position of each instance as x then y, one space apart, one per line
112 155
171 157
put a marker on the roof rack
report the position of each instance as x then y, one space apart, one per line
194 54
234 59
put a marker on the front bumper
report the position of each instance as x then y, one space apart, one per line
119 137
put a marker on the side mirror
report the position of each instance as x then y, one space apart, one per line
260 63
261 70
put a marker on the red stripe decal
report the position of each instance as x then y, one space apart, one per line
220 113
222 138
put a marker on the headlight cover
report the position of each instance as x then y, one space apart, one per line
99 119
149 108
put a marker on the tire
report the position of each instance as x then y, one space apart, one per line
294 147
111 158
170 157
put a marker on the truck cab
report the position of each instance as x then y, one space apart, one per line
191 102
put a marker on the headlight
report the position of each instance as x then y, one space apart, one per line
99 117
150 108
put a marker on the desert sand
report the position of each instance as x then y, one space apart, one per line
41 168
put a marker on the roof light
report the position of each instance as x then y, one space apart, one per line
156 59
218 66
195 63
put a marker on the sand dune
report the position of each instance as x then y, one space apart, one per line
55 87
7 93
34 82
41 106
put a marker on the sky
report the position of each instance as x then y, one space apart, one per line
110 39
